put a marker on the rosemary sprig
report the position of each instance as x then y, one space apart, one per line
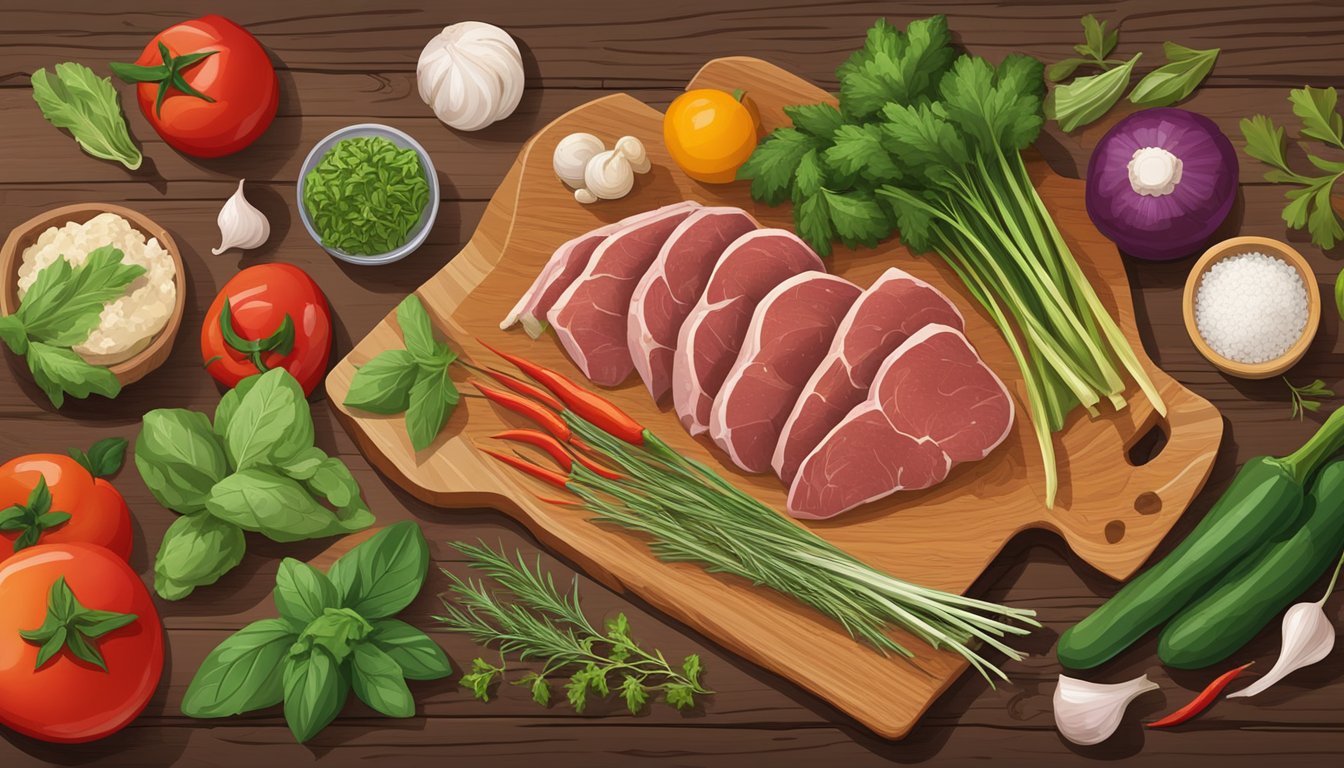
1307 397
538 622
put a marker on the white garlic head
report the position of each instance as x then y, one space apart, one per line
471 73
572 155
240 224
609 175
633 149
1089 713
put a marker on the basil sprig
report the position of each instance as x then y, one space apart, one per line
335 634
255 469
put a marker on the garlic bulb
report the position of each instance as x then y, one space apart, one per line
572 155
633 149
240 224
471 73
1088 713
608 176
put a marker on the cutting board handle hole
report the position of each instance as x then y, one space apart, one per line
1148 445
1115 531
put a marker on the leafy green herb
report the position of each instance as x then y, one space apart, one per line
1088 98
366 195
333 636
68 624
60 310
255 469
1309 205
1185 69
1307 398
531 619
1097 45
86 105
413 381
104 458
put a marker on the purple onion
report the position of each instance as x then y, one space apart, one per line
1181 209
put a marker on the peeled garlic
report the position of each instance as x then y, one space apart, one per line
633 149
471 73
572 155
240 224
1308 637
1088 713
608 176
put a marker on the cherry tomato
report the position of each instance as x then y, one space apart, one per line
710 133
51 593
206 85
268 316
88 508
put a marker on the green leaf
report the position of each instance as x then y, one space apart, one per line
13 334
1098 42
383 385
244 673
1088 98
338 630
773 163
857 217
331 480
679 695
59 372
690 667
1322 221
417 330
277 507
810 176
1316 108
195 552
228 404
1264 141
858 150
315 691
78 100
179 458
541 690
70 625
382 575
432 400
419 657
817 120
66 302
378 682
576 690
272 422
1185 69
302 592
812 221
895 67
632 691
104 458
481 677
1063 69
304 464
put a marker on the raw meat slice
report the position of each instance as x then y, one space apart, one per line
790 331
589 317
933 404
564 265
893 308
709 340
668 291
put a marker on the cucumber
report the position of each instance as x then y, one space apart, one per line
1216 625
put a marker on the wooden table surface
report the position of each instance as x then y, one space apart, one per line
342 63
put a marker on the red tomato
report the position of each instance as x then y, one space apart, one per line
260 300
98 513
231 91
69 699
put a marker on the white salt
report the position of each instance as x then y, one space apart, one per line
1251 307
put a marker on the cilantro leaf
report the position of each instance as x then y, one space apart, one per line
857 217
1315 107
812 220
810 176
858 150
1264 141
817 120
772 165
632 691
895 67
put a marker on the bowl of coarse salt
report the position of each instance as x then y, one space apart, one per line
1252 306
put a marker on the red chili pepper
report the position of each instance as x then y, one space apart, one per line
586 404
525 389
541 473
1201 702
557 451
548 419
558 502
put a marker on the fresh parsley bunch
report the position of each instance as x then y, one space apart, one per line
335 634
254 469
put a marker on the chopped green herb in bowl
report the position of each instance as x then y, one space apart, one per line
368 194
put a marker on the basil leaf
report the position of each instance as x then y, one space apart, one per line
1185 69
1088 98
304 464
104 458
381 576
379 683
432 400
196 551
271 424
302 592
315 690
60 372
332 480
275 506
77 99
228 404
66 302
179 458
244 673
383 385
417 331
419 657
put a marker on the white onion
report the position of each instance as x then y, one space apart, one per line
471 73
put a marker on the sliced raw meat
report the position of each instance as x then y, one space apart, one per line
589 317
674 282
892 309
932 405
709 340
560 271
790 331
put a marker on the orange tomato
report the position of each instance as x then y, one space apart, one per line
97 514
710 133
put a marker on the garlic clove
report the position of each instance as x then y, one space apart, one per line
633 149
1308 637
241 225
608 175
584 196
571 156
1089 713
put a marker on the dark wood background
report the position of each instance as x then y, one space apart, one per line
342 62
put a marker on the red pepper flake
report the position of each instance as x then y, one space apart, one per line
1201 702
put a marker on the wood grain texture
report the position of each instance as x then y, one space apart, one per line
345 61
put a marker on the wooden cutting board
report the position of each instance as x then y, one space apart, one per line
1110 512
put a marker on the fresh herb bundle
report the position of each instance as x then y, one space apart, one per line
535 621
255 469
365 195
1307 397
1309 205
335 634
63 306
413 381
933 144
78 100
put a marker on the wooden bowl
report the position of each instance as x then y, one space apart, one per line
11 257
1240 245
